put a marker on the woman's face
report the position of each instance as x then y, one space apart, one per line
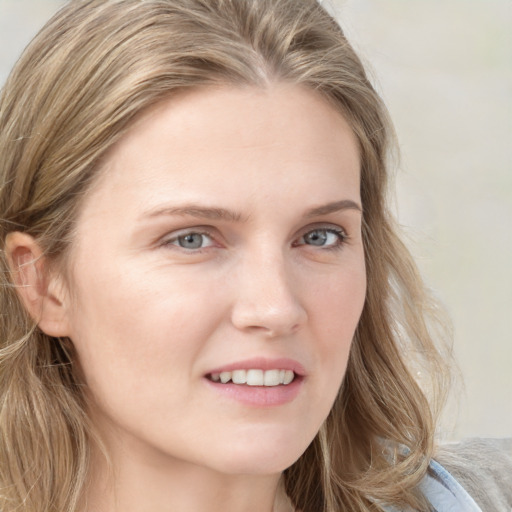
221 241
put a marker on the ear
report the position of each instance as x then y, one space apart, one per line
42 292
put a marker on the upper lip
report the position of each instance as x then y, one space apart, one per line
262 363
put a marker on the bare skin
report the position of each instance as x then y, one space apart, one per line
223 234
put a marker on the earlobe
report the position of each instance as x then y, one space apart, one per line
40 291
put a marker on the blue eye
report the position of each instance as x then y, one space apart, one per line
323 238
192 240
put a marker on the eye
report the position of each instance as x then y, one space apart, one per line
323 237
191 240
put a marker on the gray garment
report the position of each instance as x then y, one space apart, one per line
484 468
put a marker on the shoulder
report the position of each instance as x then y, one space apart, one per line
474 475
483 468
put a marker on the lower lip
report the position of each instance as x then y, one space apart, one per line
259 396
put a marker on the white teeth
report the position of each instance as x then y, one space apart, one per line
288 377
239 377
255 377
225 377
271 378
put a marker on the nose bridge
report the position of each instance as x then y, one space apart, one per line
267 298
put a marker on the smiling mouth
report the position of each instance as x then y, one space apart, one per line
254 377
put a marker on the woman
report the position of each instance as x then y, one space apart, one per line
206 304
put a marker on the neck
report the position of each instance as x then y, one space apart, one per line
138 484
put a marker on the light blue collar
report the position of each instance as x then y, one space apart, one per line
444 492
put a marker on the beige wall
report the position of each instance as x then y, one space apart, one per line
444 68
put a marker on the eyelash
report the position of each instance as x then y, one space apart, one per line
175 240
338 232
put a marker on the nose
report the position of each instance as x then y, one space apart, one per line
266 301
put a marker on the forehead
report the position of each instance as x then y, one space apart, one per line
240 136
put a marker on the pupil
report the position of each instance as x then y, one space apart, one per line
192 241
316 238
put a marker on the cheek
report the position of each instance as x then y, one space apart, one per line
135 327
335 310
337 303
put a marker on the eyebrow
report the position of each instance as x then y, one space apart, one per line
214 213
198 211
336 206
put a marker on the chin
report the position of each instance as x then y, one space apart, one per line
258 466
262 455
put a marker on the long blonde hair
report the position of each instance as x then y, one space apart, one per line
94 67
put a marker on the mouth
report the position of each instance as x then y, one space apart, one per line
255 377
258 382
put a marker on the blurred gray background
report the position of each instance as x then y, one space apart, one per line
444 68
